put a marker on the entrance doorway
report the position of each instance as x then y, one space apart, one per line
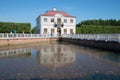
58 31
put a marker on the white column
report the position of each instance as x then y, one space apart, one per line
55 31
62 31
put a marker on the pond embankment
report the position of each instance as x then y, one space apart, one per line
100 44
23 41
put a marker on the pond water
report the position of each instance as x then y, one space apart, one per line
59 62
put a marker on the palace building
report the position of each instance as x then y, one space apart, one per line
54 22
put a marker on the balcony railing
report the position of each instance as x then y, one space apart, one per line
59 25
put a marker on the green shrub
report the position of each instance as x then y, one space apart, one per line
98 29
7 27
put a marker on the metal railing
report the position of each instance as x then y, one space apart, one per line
102 37
14 36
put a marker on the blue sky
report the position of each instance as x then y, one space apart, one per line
28 10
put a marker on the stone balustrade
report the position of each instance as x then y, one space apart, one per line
100 37
14 36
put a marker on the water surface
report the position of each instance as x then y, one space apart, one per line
59 61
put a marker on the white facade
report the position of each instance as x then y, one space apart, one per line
56 23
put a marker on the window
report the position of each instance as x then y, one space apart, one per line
45 19
65 31
71 20
45 30
52 20
71 31
65 20
58 20
52 30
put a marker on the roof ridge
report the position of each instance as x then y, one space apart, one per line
55 11
52 13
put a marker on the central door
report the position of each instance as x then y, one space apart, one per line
58 31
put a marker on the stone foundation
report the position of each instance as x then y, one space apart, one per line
108 45
6 42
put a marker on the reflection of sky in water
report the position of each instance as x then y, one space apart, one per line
113 57
59 61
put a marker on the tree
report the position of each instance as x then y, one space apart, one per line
34 29
7 27
100 22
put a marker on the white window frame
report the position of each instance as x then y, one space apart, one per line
45 19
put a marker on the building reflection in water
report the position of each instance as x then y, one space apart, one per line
15 52
57 61
54 56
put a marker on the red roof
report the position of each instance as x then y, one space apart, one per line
53 13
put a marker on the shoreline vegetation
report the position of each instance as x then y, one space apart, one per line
110 26
8 27
91 29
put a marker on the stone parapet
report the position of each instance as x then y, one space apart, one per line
6 42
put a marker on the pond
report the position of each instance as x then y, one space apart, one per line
58 61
